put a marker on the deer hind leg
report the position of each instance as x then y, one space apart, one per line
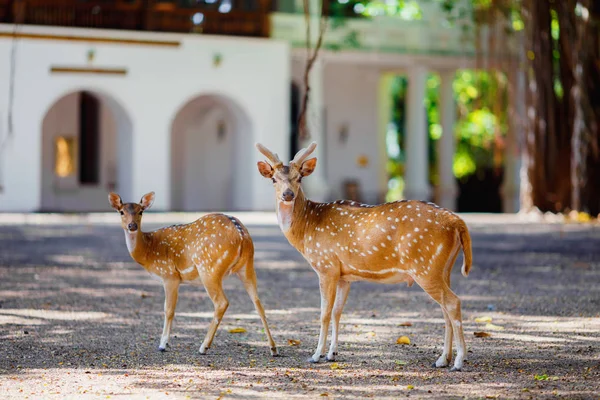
214 288
171 293
248 277
450 303
446 356
343 288
327 286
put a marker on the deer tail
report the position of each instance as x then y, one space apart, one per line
465 241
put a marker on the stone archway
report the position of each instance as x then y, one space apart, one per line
210 145
86 152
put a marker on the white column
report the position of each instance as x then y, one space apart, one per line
512 152
417 166
448 189
384 116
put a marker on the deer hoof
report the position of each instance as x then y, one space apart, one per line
312 359
274 352
332 357
454 369
162 349
441 363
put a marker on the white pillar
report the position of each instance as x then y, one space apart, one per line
417 161
448 189
512 152
384 116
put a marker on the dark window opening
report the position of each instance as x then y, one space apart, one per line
294 126
89 139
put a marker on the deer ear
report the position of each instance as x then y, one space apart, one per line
147 200
265 169
115 201
308 167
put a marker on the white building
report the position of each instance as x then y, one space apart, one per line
95 110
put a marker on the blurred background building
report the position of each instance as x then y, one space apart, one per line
171 95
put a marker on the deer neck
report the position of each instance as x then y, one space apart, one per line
138 244
292 218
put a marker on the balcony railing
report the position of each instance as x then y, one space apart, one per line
225 17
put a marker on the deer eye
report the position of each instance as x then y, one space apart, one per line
121 212
141 212
273 179
299 179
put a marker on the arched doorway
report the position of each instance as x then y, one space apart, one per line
86 152
211 142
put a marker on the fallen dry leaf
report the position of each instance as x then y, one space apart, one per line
410 387
403 340
405 324
481 334
294 342
324 394
335 366
493 327
237 330
485 318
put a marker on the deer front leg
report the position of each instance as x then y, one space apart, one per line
343 288
171 292
327 286
214 288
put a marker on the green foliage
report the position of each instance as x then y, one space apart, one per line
476 129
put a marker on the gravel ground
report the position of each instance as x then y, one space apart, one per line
79 319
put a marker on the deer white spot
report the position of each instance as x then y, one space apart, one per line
188 270
439 249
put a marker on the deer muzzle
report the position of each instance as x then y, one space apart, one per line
287 195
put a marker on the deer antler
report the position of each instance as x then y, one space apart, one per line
303 154
272 157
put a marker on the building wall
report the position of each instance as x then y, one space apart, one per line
160 80
350 99
351 95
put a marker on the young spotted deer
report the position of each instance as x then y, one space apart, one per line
200 253
404 241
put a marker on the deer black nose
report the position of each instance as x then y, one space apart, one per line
132 226
288 195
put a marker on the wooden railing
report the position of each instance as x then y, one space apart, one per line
250 18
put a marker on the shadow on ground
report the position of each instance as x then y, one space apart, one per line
78 317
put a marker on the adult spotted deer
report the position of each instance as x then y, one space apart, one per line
404 241
200 253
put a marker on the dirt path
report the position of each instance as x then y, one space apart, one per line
78 319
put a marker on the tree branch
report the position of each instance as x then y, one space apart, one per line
311 58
